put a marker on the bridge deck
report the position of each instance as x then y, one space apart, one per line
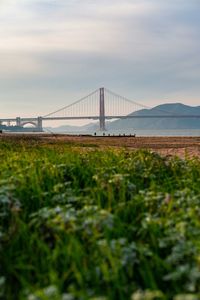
97 118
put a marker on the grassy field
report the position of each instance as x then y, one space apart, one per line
82 223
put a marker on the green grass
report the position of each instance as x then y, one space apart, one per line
93 224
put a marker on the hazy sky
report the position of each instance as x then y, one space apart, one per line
54 51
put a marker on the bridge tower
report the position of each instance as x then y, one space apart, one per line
39 124
102 122
18 122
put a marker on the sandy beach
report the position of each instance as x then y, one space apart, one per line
180 146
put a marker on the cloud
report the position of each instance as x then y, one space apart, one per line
145 49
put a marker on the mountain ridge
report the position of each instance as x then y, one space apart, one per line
161 123
151 123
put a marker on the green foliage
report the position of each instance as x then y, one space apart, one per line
80 223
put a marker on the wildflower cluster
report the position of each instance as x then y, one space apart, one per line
97 225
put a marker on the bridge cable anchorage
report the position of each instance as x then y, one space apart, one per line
71 105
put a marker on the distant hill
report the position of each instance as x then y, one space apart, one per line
63 128
74 129
161 123
153 123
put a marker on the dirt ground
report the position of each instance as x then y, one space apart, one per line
180 146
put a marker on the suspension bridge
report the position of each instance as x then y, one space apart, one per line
100 105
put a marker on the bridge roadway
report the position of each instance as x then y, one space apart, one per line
120 117
35 119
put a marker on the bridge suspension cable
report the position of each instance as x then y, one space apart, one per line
105 104
100 105
118 105
84 105
133 105
115 105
